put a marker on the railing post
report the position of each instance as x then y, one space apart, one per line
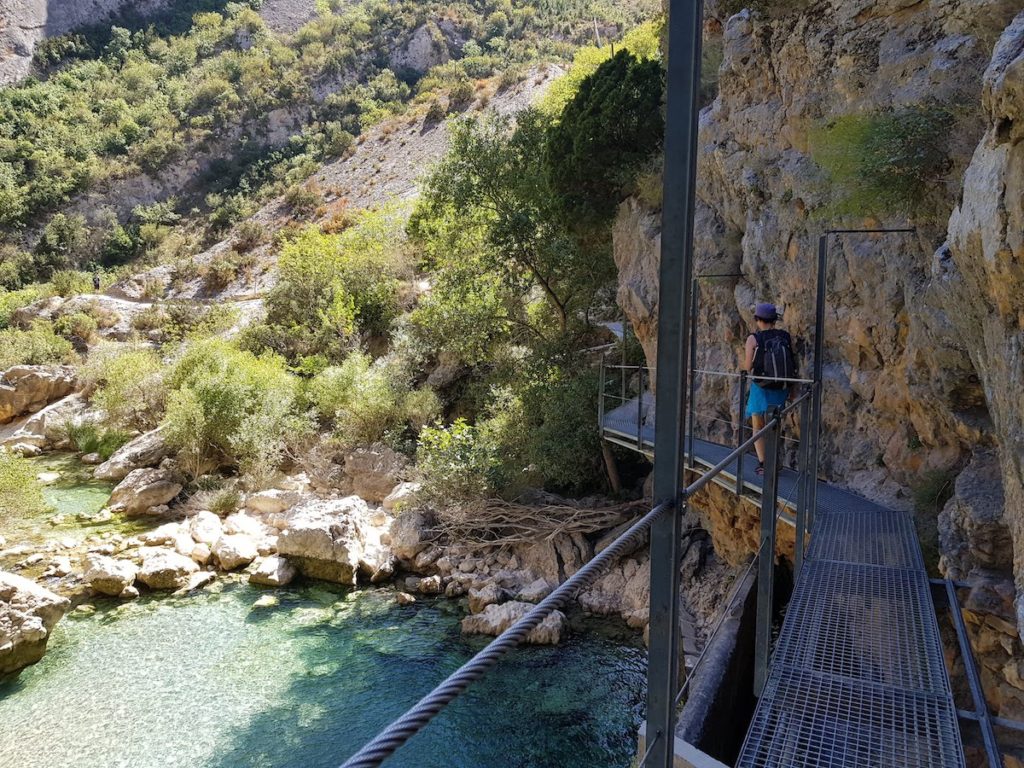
640 413
600 399
694 297
742 431
802 486
766 555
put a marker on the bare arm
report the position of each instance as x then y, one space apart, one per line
748 364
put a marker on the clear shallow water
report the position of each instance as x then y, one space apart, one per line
210 681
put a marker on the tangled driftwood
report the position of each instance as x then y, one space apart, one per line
498 523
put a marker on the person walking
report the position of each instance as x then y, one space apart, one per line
770 361
96 281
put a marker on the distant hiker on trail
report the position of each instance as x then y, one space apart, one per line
769 358
96 281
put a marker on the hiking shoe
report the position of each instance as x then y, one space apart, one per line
760 469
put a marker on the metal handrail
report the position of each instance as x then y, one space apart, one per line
431 705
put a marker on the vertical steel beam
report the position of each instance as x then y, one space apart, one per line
600 399
640 412
818 375
685 22
742 431
802 487
766 554
691 428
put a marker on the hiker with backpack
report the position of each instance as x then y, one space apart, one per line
769 361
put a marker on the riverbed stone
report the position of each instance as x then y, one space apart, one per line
109 576
410 535
273 501
164 534
404 598
495 619
91 459
401 496
205 528
142 490
28 613
146 450
165 569
431 585
488 594
273 571
235 551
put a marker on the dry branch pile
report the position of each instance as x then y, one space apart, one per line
497 523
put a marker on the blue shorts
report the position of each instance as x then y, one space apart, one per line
763 400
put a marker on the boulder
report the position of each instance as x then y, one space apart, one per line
196 581
205 528
28 613
201 553
48 427
144 451
534 592
332 539
165 569
143 489
431 585
410 535
401 496
374 471
235 551
488 594
91 458
109 576
404 598
495 619
28 388
167 534
273 501
273 571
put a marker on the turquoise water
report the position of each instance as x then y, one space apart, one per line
211 681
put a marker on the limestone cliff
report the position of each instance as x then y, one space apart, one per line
924 350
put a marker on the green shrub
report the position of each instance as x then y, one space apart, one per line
127 385
70 282
230 407
884 162
248 235
78 325
226 502
91 438
364 402
20 492
12 301
38 345
454 463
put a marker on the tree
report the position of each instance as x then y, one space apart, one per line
498 176
605 135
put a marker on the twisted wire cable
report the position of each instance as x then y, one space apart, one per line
413 721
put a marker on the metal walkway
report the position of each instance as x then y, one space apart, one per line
858 676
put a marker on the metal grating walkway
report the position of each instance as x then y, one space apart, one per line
858 676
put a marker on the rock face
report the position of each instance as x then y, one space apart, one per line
143 489
981 273
109 576
146 450
29 388
28 613
24 23
335 540
495 619
374 472
426 49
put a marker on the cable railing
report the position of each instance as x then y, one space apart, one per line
430 706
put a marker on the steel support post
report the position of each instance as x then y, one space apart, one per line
818 376
685 22
802 486
742 431
692 426
640 412
600 399
766 555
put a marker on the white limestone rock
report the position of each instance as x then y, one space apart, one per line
235 551
142 490
273 571
165 569
495 619
109 576
146 450
28 613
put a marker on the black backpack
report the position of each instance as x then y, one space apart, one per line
774 359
